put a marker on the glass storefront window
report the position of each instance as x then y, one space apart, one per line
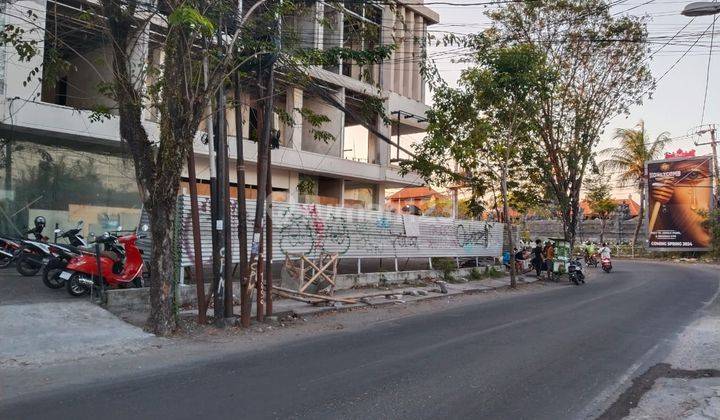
65 185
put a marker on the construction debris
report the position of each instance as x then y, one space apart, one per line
308 275
443 286
310 297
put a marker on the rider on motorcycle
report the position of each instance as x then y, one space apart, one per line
605 251
589 250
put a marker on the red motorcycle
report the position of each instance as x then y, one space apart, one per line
82 274
606 265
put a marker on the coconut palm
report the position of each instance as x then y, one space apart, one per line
628 159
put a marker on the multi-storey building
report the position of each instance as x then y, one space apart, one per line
59 162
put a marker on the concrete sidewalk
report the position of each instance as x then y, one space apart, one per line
50 332
687 385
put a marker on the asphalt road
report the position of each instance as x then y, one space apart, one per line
547 355
16 289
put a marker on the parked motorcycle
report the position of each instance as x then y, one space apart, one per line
62 254
606 265
575 273
9 250
34 252
82 273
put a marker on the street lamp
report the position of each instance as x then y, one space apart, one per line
701 8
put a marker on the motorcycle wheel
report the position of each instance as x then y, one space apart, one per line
5 261
73 286
26 267
51 274
607 269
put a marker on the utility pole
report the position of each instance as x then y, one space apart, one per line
223 190
245 299
272 144
217 287
713 145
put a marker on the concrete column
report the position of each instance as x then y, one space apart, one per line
408 58
319 28
399 52
387 74
293 134
340 96
422 79
293 193
16 82
455 203
417 82
379 199
382 149
342 193
139 59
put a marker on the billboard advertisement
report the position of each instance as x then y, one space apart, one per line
679 193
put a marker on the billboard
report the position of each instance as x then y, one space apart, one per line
679 193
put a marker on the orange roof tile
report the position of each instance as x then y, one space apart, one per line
414 192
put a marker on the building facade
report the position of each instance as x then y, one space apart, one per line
58 161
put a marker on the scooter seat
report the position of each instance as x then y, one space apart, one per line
75 249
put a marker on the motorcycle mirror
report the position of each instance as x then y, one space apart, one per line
57 231
119 228
80 223
144 228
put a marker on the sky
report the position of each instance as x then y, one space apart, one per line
675 107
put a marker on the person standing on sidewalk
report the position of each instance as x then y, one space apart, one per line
537 260
549 257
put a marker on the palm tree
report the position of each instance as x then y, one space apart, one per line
628 161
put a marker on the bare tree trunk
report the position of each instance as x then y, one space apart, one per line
508 219
162 319
197 241
262 165
641 216
603 224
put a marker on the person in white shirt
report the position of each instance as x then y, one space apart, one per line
605 251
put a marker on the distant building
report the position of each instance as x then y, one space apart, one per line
633 208
422 198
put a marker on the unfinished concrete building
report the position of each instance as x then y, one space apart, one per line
46 122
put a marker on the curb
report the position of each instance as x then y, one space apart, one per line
313 311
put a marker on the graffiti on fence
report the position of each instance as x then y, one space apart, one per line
311 229
310 233
469 237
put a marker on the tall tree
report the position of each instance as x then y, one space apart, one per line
485 125
627 160
599 201
602 69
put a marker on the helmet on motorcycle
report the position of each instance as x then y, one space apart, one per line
40 223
